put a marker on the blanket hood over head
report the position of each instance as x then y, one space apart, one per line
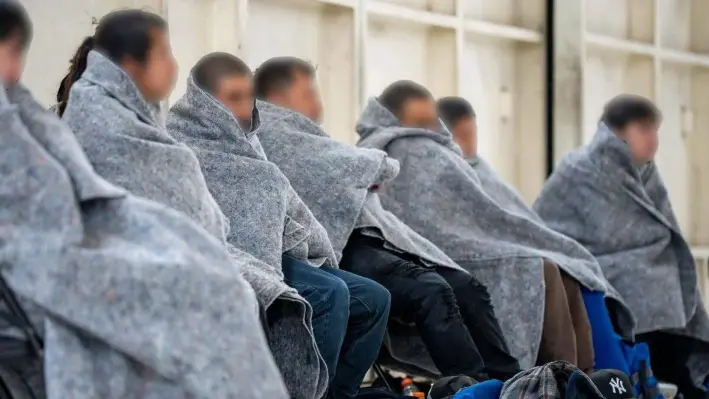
335 181
136 300
622 214
267 217
440 196
128 145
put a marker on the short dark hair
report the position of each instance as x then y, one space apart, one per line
398 93
14 22
453 109
278 73
213 67
122 33
624 109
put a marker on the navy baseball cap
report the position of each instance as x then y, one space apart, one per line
613 384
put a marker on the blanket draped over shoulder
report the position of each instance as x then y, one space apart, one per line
622 215
134 299
128 145
567 253
439 195
267 217
335 180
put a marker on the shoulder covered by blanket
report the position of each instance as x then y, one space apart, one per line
127 144
139 300
437 184
622 214
267 215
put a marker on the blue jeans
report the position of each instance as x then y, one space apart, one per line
349 320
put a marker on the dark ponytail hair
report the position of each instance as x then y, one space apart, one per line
119 34
76 68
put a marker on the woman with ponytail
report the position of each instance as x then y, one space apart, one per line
131 49
112 92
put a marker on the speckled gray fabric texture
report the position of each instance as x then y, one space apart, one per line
438 195
335 181
568 254
267 217
622 214
137 300
128 144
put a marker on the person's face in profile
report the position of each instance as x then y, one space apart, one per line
236 92
303 96
420 113
12 59
156 76
465 132
642 139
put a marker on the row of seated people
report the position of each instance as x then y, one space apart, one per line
147 250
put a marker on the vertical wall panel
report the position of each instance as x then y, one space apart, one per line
395 51
489 84
608 74
698 144
337 72
188 45
277 28
676 28
673 156
319 34
529 103
441 62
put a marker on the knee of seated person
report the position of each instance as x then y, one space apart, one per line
433 291
338 295
379 298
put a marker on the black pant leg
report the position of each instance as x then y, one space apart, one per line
668 355
479 315
420 293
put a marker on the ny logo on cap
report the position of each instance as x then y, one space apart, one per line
617 385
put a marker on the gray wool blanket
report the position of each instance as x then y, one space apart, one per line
267 217
571 256
315 164
128 145
440 196
622 215
134 299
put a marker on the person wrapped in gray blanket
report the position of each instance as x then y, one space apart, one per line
458 115
440 196
116 80
609 196
217 119
132 299
455 329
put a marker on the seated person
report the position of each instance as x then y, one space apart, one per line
116 81
131 298
440 196
609 196
217 119
459 117
455 325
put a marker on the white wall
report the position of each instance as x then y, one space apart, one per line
490 52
